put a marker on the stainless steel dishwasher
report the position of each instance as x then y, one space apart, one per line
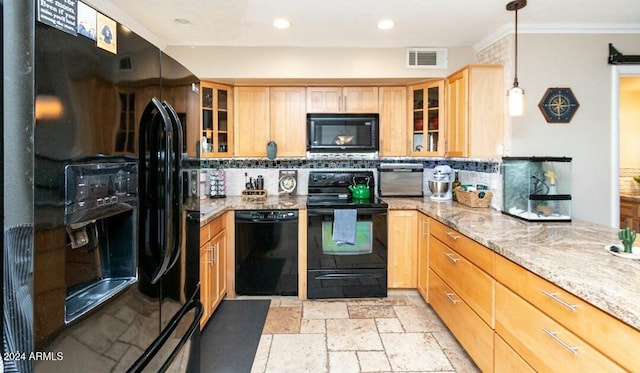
266 252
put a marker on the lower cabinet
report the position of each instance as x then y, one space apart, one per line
507 360
543 342
461 292
213 253
552 329
507 318
402 249
473 334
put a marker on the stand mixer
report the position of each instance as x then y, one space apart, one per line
440 183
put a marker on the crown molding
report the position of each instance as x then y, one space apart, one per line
557 28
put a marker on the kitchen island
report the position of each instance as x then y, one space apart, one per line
568 254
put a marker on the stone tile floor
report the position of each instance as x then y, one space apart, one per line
400 333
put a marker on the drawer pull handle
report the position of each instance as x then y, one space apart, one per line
424 228
452 258
450 234
451 298
553 335
212 254
554 296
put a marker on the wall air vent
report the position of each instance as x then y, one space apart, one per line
426 58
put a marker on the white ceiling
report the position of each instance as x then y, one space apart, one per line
352 23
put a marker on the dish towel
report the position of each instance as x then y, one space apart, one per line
344 226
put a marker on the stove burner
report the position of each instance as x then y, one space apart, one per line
330 189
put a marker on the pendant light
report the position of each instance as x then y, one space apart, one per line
516 94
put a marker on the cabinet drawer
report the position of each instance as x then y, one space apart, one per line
204 235
471 283
473 334
470 249
606 333
543 343
507 360
627 209
212 229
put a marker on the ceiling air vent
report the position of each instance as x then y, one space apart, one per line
427 58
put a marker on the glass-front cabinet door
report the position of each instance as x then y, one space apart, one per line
426 103
217 128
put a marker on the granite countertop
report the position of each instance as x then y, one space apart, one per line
212 208
568 254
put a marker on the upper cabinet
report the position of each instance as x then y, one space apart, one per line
217 120
288 120
251 121
266 114
475 112
342 99
425 113
393 119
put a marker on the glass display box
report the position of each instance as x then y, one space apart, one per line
537 188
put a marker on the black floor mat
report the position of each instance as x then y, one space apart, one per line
230 338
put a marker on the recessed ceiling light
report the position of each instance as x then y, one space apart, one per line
281 23
182 21
386 24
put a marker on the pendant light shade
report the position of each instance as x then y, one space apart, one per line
516 94
516 102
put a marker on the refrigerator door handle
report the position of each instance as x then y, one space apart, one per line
175 182
156 204
156 346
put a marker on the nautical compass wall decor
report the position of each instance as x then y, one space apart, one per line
558 105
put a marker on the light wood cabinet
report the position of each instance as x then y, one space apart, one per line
509 319
426 118
473 334
423 256
630 215
342 99
461 291
251 120
213 270
393 119
288 121
402 251
475 112
627 215
583 324
264 114
217 120
468 280
507 360
543 342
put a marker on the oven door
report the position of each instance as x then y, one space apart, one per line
347 271
369 250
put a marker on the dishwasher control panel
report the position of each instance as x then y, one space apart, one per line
267 214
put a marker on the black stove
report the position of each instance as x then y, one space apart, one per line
331 189
345 269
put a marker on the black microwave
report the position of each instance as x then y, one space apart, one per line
342 132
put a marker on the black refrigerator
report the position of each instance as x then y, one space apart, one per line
98 275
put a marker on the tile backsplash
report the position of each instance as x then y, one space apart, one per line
470 171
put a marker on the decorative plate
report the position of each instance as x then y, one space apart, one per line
558 105
287 183
635 254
